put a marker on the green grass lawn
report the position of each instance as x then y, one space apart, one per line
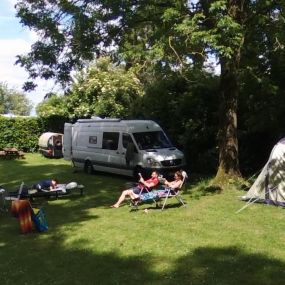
90 243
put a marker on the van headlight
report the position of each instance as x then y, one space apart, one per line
152 162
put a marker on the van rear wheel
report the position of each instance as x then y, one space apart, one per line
88 168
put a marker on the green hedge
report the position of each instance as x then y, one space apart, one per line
24 132
20 132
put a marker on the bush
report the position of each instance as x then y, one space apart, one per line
20 132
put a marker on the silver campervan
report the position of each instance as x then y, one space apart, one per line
124 147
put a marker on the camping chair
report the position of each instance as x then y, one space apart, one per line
145 196
174 193
17 195
157 195
2 195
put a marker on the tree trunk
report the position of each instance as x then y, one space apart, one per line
227 137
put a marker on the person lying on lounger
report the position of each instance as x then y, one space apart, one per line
134 192
46 184
41 185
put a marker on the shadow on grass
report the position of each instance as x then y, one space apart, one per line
228 265
171 204
51 262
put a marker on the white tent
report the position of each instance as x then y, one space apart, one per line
269 186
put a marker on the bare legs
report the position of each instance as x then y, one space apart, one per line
125 193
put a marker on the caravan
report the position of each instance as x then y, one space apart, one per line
50 144
125 147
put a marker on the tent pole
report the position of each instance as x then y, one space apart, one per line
251 202
246 205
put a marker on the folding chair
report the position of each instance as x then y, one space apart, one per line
170 193
145 196
14 197
17 195
2 195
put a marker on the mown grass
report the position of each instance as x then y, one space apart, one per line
90 243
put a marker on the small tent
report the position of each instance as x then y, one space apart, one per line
269 187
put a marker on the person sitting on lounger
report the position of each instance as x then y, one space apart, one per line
46 184
176 183
134 192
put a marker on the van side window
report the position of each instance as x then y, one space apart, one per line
110 140
92 139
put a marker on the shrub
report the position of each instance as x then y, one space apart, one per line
20 132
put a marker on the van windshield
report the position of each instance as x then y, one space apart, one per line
152 140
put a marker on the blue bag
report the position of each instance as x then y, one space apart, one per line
40 220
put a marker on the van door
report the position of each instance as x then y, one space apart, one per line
129 151
110 146
67 141
114 155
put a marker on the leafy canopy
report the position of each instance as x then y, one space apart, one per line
14 102
103 89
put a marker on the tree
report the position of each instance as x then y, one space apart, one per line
163 34
54 105
103 89
14 102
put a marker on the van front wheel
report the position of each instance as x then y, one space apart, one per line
88 168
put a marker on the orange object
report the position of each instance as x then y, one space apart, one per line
23 210
15 206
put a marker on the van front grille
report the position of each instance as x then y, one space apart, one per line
171 162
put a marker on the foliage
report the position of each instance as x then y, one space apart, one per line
53 106
105 90
261 108
203 243
22 133
53 113
53 123
13 102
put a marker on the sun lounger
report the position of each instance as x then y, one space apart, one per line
60 190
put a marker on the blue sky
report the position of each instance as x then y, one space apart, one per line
10 27
14 40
